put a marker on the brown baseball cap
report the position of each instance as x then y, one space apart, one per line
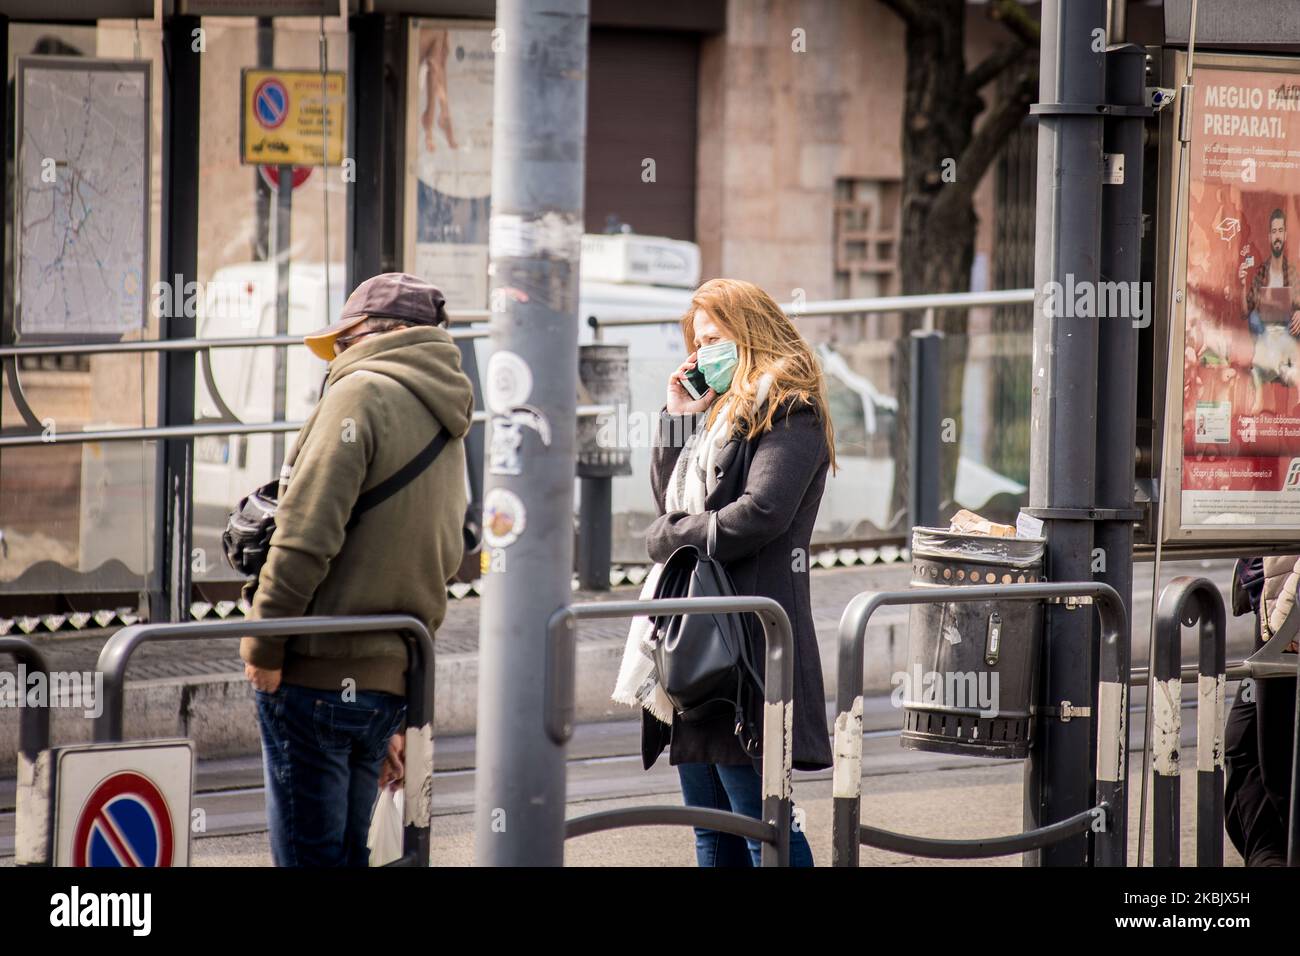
392 295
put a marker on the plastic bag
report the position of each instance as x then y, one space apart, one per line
385 839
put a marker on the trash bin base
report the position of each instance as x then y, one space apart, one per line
968 735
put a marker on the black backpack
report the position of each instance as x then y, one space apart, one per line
247 538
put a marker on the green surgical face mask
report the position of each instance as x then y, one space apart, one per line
717 363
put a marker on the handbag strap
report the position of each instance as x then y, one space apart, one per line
711 539
400 479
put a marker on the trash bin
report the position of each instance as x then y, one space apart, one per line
971 670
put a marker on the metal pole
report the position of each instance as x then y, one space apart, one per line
926 428
595 524
1212 664
261 191
1166 728
169 598
1063 442
31 804
1117 360
283 220
535 236
376 131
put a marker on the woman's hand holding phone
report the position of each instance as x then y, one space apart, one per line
680 400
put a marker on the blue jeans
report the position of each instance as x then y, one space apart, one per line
738 789
321 757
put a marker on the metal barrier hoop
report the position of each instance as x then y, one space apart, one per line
117 651
778 718
1107 818
1183 602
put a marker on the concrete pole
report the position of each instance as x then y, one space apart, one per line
1063 435
539 138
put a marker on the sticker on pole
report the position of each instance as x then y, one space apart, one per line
509 381
123 805
504 518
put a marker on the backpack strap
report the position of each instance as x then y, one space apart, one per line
400 479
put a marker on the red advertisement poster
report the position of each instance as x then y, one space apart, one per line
1241 341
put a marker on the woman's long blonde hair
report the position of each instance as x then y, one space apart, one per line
766 341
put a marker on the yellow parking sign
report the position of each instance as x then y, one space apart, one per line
286 121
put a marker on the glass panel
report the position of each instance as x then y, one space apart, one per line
240 206
84 179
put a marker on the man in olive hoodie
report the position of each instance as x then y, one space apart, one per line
328 704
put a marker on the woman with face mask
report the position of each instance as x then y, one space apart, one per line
751 444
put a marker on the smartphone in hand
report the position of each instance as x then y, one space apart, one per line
694 383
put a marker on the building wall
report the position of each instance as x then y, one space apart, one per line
779 127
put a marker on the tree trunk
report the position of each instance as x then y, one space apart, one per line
937 234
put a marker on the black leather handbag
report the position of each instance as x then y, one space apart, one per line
704 662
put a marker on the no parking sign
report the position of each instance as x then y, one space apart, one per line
123 804
292 117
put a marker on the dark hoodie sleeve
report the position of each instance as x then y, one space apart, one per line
785 463
310 521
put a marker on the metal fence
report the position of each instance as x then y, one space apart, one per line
1107 818
418 789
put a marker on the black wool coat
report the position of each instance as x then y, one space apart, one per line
766 500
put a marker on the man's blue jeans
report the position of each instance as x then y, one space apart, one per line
738 789
321 757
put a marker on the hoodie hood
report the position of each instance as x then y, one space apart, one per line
423 358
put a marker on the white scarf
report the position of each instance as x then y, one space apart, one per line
693 479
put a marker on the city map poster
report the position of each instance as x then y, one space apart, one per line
82 197
449 157
1240 435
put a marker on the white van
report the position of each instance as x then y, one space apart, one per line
240 301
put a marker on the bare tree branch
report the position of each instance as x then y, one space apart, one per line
991 67
1003 118
1016 19
906 10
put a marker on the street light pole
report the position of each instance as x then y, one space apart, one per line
538 144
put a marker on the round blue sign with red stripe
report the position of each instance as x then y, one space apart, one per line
125 822
270 103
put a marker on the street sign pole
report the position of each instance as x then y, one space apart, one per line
1062 484
283 218
538 140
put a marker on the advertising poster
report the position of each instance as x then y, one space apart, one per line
1240 375
449 175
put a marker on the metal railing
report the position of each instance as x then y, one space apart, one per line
773 831
180 345
1107 818
418 787
1183 602
892 303
160 432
